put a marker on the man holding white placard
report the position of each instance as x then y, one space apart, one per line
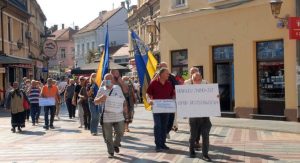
111 97
160 89
50 92
199 126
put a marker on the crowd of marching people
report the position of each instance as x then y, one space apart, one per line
89 99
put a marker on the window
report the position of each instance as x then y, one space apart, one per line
222 53
82 48
270 50
78 50
63 53
179 60
22 32
9 25
73 50
179 3
93 45
88 47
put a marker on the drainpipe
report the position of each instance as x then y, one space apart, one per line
298 59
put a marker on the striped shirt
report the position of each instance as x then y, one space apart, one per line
34 95
110 117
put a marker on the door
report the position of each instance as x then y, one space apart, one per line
224 77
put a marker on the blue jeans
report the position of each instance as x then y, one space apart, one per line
34 110
52 114
160 129
95 117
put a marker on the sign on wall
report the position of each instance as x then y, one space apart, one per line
50 48
199 100
294 25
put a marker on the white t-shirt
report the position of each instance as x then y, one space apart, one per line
110 117
61 86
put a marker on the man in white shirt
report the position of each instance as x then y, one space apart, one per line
111 119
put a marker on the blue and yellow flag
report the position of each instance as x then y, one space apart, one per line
145 64
104 62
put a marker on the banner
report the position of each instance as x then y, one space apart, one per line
198 100
164 106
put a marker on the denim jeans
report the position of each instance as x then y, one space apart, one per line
34 111
95 116
52 114
160 129
170 122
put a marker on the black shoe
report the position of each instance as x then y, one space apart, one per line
13 130
158 149
197 146
117 149
46 127
33 124
19 129
52 127
110 155
165 147
206 158
192 153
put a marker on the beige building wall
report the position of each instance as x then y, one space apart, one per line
241 26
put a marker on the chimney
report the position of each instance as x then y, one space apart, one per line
62 26
77 28
101 13
54 28
123 4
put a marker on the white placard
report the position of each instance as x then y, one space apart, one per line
47 101
198 100
114 104
164 106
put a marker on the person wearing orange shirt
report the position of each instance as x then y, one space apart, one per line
50 91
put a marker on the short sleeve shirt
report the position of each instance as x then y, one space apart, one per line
160 91
109 117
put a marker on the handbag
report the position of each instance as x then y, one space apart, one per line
101 117
26 105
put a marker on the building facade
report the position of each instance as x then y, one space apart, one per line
92 36
240 46
64 59
20 41
140 16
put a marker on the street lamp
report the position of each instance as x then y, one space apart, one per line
275 8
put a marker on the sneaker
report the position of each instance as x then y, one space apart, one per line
168 136
33 124
80 127
52 127
206 158
94 134
110 155
117 149
46 127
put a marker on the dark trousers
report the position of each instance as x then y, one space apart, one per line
27 112
71 108
86 115
170 122
160 129
52 114
18 119
200 126
34 110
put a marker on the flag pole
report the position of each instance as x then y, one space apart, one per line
108 47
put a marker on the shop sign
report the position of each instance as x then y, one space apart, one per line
2 70
44 69
294 26
50 48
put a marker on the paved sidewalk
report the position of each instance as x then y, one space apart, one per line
68 143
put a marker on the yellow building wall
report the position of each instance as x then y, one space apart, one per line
241 26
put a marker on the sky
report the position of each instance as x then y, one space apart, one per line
75 12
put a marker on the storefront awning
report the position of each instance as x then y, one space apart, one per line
8 59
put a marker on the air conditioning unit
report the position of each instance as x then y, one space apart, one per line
28 35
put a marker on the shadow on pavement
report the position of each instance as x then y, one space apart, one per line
36 133
127 158
142 133
68 130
